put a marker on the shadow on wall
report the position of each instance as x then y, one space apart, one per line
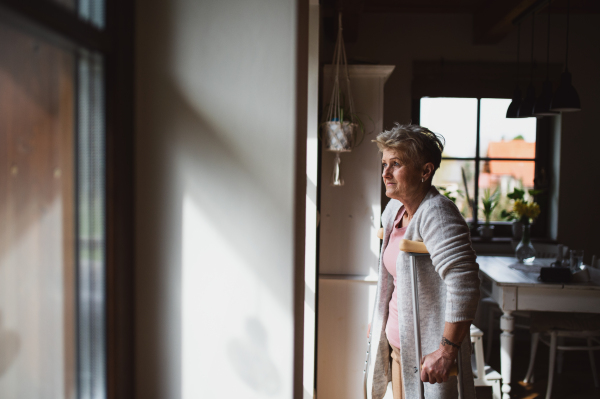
10 344
235 202
228 222
215 159
252 350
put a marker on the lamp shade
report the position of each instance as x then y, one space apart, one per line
566 98
513 108
542 105
526 108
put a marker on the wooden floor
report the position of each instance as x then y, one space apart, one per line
575 381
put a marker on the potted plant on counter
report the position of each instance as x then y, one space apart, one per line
489 202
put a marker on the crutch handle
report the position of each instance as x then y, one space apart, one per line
413 246
453 370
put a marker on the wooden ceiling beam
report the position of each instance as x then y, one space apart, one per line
492 24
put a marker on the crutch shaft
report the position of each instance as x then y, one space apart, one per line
416 321
460 381
414 249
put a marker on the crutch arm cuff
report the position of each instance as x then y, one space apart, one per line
413 246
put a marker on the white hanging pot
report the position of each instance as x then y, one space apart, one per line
339 136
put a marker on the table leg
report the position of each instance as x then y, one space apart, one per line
507 325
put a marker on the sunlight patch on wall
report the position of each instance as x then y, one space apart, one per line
231 341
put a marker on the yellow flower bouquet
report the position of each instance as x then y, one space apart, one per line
522 211
525 211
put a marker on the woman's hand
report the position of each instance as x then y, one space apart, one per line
435 367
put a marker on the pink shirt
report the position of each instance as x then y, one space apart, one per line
390 256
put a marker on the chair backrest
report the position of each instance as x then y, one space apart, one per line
549 250
479 366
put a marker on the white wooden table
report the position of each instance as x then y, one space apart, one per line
516 290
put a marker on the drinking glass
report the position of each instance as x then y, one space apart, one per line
576 260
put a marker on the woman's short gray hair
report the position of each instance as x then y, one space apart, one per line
415 144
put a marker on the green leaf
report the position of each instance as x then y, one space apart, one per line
508 215
489 201
516 194
534 192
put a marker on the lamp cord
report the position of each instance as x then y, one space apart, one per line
518 51
567 52
548 46
532 34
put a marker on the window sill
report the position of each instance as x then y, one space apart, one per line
504 240
501 246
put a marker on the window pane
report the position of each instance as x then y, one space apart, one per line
52 221
451 176
92 11
504 176
502 137
456 120
37 218
91 217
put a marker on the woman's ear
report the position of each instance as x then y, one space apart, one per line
427 170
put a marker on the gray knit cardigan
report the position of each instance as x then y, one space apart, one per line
448 292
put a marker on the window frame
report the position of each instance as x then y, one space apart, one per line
542 179
115 42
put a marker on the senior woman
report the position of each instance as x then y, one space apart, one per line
448 279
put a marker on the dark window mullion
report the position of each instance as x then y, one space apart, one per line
477 160
490 159
508 159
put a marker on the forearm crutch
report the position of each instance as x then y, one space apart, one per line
414 249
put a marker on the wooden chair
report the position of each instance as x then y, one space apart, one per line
549 251
593 344
561 327
484 375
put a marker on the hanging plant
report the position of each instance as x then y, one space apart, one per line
342 129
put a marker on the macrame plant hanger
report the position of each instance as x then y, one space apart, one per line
340 126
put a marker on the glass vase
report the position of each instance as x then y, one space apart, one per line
517 230
525 252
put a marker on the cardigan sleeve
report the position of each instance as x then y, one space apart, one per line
447 238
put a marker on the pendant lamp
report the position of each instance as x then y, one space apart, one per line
526 108
566 98
542 105
513 108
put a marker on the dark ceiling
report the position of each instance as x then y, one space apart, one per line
492 19
467 6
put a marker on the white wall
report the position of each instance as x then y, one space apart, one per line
218 120
312 160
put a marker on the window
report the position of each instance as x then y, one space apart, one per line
484 151
61 121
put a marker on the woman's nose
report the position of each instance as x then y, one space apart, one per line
386 171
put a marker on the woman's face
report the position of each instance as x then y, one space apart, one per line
402 181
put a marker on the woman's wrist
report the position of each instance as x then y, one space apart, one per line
448 346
